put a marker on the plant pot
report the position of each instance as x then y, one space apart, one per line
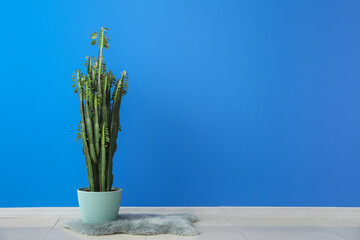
99 207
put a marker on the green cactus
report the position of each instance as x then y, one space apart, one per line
99 111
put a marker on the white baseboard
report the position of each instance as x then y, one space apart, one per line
201 211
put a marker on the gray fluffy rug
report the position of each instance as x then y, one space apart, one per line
139 224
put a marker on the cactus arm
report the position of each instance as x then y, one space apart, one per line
104 115
100 58
114 126
101 90
103 159
103 151
89 66
108 101
93 77
89 127
88 70
89 167
90 95
96 127
108 122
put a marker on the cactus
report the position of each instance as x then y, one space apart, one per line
100 95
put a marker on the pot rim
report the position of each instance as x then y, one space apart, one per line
114 189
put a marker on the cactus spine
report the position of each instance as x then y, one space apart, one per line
99 111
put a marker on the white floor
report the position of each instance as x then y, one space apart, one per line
220 223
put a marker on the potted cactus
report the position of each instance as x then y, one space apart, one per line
100 95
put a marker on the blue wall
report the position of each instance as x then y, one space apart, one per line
238 103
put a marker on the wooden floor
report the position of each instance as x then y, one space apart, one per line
220 223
